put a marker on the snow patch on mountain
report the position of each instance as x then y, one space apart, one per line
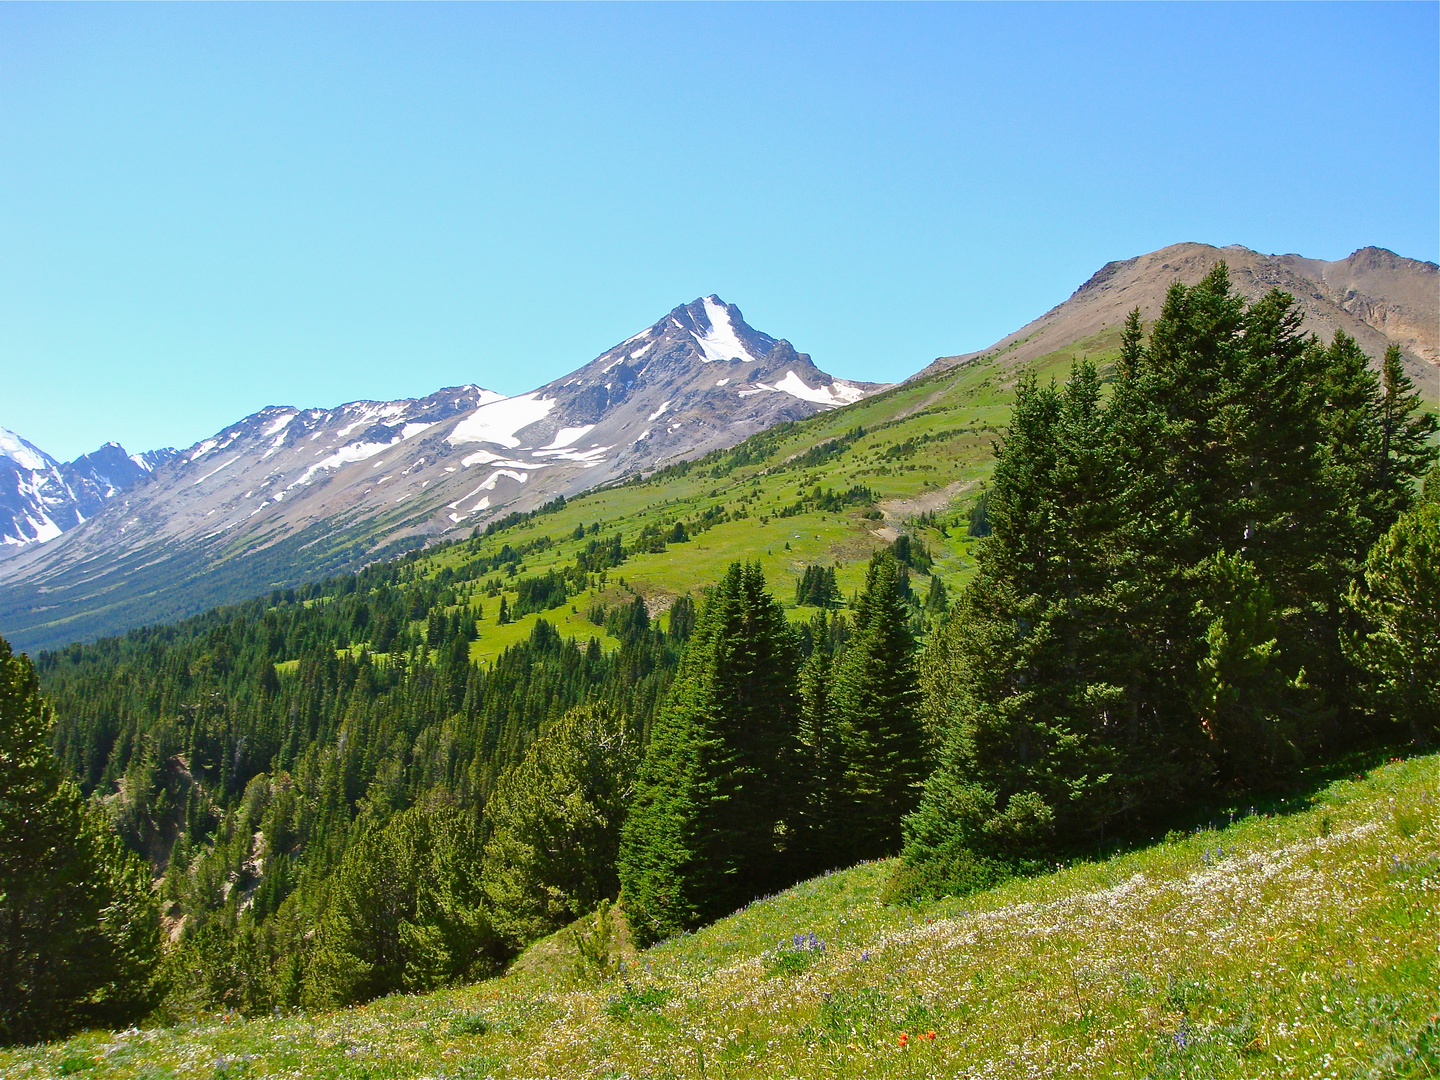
278 424
25 454
588 458
215 470
485 457
344 456
499 421
837 393
568 436
720 342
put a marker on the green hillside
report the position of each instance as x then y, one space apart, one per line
923 449
1297 941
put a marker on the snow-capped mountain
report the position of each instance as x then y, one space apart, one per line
698 379
289 493
40 498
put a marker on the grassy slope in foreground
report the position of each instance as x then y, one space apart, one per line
1297 945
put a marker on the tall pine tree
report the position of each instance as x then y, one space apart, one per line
1158 613
707 830
876 702
555 825
79 930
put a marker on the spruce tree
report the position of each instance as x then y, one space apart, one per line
79 930
1407 431
1155 612
876 703
1396 643
554 825
820 769
707 829
405 911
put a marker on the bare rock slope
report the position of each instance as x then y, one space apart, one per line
1377 297
287 494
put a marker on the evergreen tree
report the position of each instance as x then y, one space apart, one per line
554 825
1025 679
1430 490
937 600
1240 695
1397 643
820 770
706 831
1158 611
79 931
876 702
816 587
1406 433
405 911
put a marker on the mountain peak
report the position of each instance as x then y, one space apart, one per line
40 498
24 453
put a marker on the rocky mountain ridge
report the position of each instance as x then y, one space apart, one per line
286 492
1374 295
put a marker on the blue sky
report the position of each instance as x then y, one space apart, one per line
205 209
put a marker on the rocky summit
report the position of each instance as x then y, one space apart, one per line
288 493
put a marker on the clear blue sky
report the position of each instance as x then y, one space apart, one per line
205 209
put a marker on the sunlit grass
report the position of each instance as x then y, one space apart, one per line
1292 945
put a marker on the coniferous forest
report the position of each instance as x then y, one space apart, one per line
1199 575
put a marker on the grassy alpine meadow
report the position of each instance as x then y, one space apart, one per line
1298 940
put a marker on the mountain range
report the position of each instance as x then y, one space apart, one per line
289 494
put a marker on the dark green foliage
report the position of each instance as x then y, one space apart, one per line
540 593
912 553
822 453
654 538
1406 433
1397 642
979 519
705 831
249 720
817 588
600 554
554 825
1431 492
911 446
1158 613
829 501
79 931
937 600
405 910
682 619
821 754
876 698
